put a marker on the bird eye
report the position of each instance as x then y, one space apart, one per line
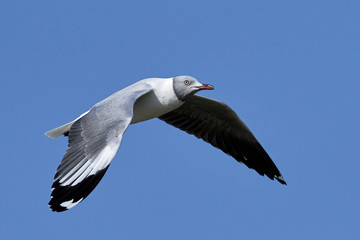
186 82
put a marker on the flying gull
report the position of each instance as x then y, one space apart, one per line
95 136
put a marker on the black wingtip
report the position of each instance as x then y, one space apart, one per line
56 207
65 197
281 179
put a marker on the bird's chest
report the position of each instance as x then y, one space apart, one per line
153 105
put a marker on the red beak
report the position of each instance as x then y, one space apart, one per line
205 87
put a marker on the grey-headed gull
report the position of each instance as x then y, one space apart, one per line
95 136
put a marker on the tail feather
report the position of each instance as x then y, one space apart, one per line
62 130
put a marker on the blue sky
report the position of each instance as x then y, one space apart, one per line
289 69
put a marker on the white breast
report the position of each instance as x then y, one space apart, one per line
157 102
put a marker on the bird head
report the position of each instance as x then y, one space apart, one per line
186 86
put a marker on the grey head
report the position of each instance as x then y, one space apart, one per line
186 86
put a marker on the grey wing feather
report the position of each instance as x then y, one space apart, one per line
93 142
217 124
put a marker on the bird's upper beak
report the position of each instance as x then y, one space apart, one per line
205 87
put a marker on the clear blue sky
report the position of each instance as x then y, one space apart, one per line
290 69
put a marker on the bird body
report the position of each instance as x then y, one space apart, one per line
157 102
95 136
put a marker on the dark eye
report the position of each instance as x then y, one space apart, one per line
186 82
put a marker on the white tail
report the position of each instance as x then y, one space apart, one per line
56 132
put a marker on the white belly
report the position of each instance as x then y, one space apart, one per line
150 106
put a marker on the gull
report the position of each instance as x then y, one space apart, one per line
95 136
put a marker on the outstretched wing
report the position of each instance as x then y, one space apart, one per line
217 124
93 142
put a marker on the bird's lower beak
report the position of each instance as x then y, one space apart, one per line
205 87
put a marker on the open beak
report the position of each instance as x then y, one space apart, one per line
205 87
